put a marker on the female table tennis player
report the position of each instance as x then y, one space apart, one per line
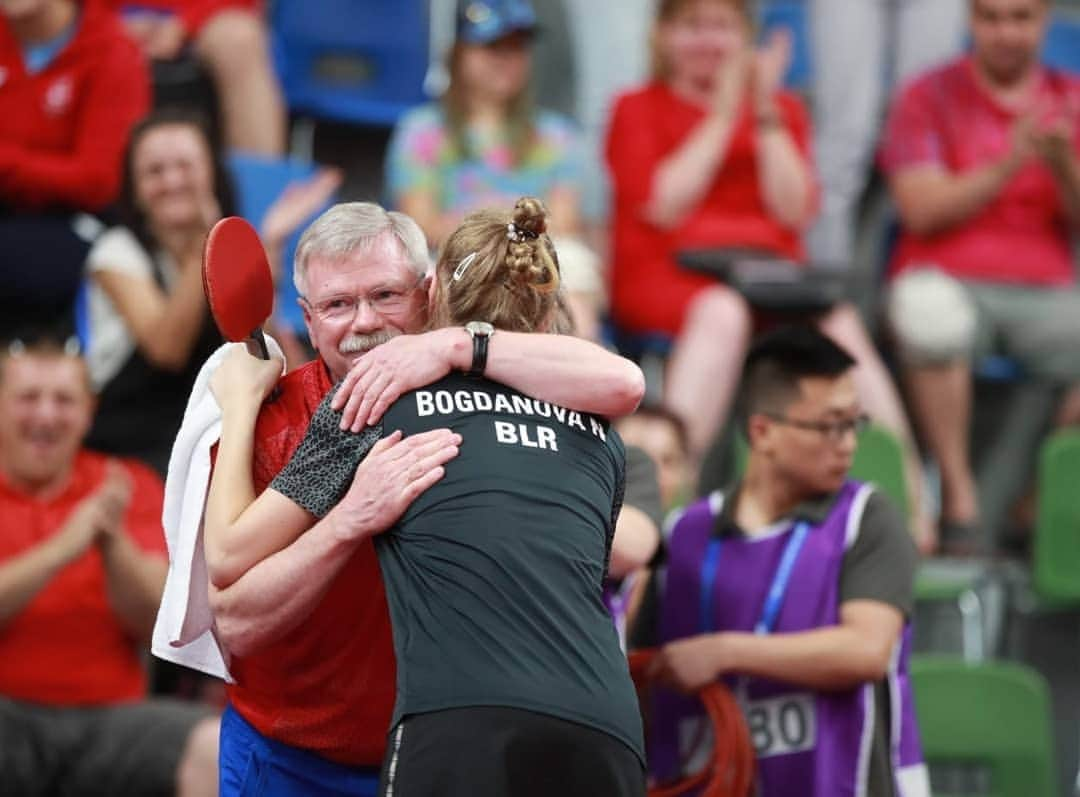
510 677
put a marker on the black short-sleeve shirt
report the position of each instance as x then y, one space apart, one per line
494 575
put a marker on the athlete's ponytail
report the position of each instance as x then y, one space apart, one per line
499 268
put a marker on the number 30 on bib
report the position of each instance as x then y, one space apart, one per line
782 725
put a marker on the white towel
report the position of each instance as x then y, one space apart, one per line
183 632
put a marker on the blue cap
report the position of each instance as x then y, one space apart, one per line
484 21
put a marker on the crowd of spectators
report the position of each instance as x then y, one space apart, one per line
695 142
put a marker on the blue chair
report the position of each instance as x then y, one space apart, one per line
1062 46
634 345
793 15
259 181
998 368
355 61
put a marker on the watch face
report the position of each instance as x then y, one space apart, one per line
480 328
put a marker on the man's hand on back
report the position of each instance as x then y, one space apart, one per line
402 364
391 477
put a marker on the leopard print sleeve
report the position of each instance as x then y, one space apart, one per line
322 467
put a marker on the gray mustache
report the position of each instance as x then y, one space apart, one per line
360 343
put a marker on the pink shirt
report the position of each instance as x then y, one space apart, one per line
1022 236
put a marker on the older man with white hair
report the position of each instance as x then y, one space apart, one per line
307 627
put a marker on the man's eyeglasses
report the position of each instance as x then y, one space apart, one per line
834 431
382 301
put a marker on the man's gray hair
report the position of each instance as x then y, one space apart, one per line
348 226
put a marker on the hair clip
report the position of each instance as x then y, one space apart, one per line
516 233
464 264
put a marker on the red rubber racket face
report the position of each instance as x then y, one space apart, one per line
236 278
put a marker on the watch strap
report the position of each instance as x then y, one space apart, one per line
479 354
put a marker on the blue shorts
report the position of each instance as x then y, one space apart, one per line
250 765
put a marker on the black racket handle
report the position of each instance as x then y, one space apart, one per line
259 340
256 346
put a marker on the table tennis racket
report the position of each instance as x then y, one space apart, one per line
238 284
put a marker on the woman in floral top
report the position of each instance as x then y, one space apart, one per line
485 144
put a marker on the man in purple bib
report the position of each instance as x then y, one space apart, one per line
794 587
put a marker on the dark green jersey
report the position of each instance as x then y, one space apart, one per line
494 575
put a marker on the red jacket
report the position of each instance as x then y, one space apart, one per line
65 128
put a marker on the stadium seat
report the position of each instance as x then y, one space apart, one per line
985 727
956 584
880 459
1052 585
1062 46
1056 573
793 15
259 181
637 345
355 61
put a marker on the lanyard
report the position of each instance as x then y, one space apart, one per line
774 599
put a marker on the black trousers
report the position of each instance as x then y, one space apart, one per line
506 752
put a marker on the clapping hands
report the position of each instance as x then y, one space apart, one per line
761 71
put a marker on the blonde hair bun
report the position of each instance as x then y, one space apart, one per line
510 276
527 264
530 216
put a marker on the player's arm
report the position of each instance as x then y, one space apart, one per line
239 530
242 529
637 530
636 540
561 369
855 651
876 586
272 562
279 592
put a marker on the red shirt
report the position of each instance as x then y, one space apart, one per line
67 647
327 686
649 290
65 128
946 119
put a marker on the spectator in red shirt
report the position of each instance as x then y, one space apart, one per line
82 566
229 38
712 153
982 157
71 86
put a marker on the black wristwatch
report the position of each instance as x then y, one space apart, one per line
480 332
